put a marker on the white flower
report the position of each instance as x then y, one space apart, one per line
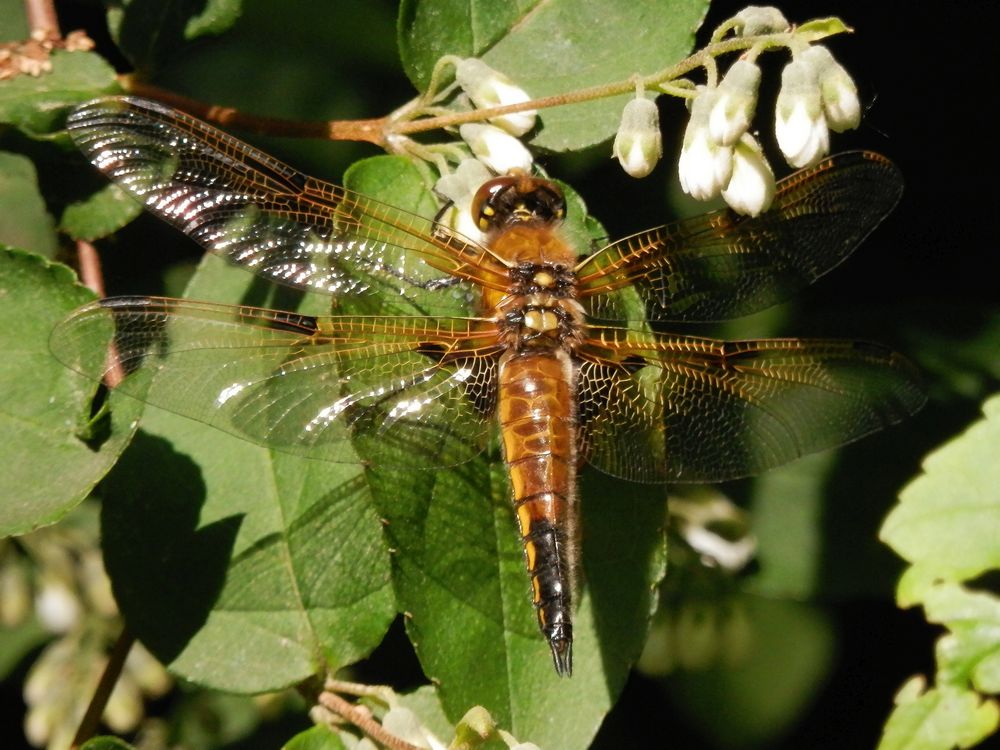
57 607
837 90
638 144
800 124
737 99
460 188
496 148
751 188
489 88
704 166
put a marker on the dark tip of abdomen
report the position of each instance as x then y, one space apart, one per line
562 655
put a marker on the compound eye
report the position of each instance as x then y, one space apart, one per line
484 209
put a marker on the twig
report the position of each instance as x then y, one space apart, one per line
363 721
90 267
99 700
42 16
93 279
369 131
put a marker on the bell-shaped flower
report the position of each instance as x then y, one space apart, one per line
459 188
489 88
800 124
638 144
837 90
495 148
734 107
704 166
751 187
761 19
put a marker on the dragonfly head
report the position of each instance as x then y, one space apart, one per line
517 198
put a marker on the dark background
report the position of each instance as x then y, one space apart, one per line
925 283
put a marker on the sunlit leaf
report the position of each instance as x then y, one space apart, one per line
939 719
554 47
945 523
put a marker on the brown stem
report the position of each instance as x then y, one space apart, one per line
42 16
363 721
370 131
93 279
99 700
90 267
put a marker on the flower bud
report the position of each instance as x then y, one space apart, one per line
751 188
489 88
638 144
800 125
15 593
57 606
761 19
737 99
837 90
497 149
704 166
460 188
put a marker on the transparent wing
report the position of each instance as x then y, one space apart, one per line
407 391
685 409
722 265
262 214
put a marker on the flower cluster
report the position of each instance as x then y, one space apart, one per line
495 144
719 156
817 95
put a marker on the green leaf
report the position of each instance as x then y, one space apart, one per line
49 468
104 212
460 577
939 719
945 526
38 104
946 520
17 642
149 32
552 48
315 738
970 653
249 570
106 743
15 25
821 28
24 220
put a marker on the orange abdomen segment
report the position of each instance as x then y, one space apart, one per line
537 427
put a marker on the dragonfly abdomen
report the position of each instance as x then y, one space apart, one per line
537 427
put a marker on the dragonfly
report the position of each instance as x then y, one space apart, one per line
556 348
